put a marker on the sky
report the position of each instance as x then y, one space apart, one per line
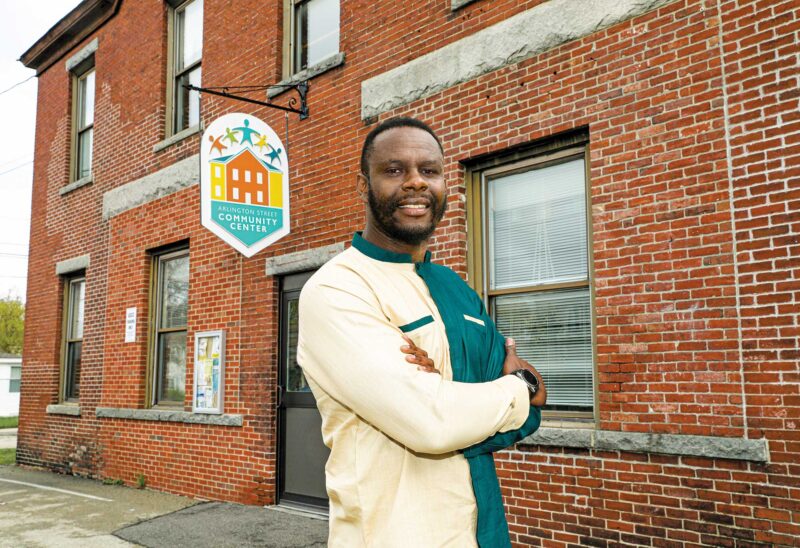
21 24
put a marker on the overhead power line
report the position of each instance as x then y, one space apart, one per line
16 168
17 84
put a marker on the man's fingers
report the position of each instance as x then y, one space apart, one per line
511 346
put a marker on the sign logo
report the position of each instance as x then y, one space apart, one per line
244 183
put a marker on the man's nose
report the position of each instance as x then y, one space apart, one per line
415 181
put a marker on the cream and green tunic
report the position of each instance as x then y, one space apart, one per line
410 461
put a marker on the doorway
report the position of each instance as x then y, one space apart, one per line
302 455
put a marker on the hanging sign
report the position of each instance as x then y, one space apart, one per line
244 183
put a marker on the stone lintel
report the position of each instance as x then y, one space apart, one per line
525 35
165 415
67 266
83 54
714 447
300 261
151 187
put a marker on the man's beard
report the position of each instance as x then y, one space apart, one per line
382 212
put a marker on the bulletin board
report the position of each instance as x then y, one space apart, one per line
209 372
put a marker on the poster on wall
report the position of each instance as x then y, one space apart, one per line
244 183
209 368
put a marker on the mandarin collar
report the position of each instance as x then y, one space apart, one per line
380 254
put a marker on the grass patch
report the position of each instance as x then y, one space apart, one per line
8 456
9 422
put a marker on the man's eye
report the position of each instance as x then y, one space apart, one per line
393 170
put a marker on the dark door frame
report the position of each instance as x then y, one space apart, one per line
290 286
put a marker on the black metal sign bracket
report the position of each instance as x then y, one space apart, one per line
225 91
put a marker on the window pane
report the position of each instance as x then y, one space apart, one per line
537 226
85 153
76 300
190 29
73 364
174 291
187 107
86 107
296 381
172 366
317 33
13 385
553 332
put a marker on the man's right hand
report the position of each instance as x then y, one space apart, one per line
514 362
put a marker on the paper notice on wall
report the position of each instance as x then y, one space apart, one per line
130 325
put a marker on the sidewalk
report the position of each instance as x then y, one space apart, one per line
40 509
8 438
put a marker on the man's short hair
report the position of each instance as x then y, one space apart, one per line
386 125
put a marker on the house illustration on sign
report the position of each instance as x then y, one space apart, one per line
244 178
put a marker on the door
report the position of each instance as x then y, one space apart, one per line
302 455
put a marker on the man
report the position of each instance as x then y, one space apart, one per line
411 452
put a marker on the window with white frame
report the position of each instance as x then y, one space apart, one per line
16 376
312 33
84 123
533 242
72 338
170 305
187 47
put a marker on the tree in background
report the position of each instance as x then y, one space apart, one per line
12 325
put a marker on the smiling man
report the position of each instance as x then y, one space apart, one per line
415 386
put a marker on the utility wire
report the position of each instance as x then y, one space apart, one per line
17 84
16 168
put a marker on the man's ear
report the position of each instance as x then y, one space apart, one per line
362 187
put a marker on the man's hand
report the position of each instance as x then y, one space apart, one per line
514 362
417 356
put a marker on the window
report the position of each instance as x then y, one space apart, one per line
533 268
169 312
72 343
16 375
187 44
84 124
312 33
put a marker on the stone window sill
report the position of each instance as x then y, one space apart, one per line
666 444
178 137
166 415
325 65
74 185
64 409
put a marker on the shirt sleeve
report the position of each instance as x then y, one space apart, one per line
493 370
351 351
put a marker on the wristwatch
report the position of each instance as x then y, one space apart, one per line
529 378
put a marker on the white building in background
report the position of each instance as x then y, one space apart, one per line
10 374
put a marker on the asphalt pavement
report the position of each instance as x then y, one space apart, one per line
41 509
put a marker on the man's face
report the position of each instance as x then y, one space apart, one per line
406 190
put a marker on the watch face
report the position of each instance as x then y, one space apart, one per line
529 377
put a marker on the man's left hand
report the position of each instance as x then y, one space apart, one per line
418 356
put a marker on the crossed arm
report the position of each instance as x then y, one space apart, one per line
499 440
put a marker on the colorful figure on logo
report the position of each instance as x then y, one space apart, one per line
247 133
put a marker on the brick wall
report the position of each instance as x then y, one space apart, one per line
692 115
